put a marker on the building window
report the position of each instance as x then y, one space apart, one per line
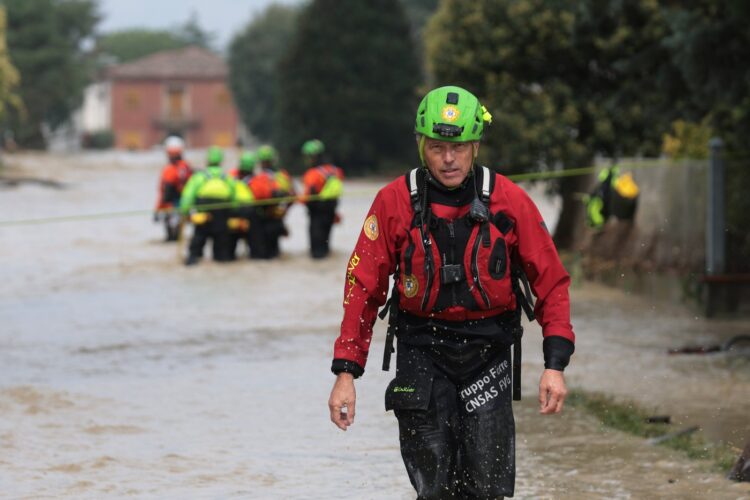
131 139
176 102
222 98
222 139
132 100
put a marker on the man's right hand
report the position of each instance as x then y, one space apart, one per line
343 397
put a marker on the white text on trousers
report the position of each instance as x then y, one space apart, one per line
486 388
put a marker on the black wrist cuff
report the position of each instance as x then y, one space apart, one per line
557 352
344 365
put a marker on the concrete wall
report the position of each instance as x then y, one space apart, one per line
661 253
668 232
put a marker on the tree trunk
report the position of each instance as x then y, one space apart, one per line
571 221
741 470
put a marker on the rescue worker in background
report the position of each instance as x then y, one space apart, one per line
174 176
242 173
323 184
616 193
213 197
268 219
245 169
457 237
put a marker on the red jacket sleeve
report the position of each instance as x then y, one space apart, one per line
548 278
366 286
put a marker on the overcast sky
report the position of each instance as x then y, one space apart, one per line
221 17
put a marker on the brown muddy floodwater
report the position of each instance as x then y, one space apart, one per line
124 374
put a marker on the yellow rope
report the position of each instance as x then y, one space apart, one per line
350 193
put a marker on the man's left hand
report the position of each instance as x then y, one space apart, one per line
552 392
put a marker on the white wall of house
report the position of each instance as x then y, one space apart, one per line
96 111
94 115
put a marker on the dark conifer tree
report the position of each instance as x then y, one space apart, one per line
349 79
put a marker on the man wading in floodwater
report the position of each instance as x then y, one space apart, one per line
458 239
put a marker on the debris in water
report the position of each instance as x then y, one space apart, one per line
704 349
659 419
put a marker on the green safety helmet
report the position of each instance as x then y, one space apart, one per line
313 147
214 156
266 153
247 160
451 114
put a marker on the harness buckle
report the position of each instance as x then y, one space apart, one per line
452 273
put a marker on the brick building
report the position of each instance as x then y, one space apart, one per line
177 92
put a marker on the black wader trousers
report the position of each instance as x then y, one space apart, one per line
217 231
322 216
456 427
265 232
234 238
171 226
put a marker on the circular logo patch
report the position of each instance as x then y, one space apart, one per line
371 227
411 286
450 113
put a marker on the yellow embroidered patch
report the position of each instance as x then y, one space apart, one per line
450 113
371 228
411 286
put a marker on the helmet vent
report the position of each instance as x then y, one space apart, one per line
451 98
423 121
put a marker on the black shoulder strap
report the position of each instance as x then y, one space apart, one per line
524 297
391 309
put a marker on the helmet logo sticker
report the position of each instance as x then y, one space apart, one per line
371 228
411 286
450 113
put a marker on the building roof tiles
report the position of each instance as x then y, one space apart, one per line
188 63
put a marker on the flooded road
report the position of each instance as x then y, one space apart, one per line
124 374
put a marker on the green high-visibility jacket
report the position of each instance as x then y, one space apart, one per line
213 184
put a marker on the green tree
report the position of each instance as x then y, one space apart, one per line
709 43
349 79
418 12
127 45
254 54
9 77
563 79
45 39
191 33
130 44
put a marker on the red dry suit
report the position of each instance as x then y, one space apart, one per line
458 252
174 176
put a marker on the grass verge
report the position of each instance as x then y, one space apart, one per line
631 418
